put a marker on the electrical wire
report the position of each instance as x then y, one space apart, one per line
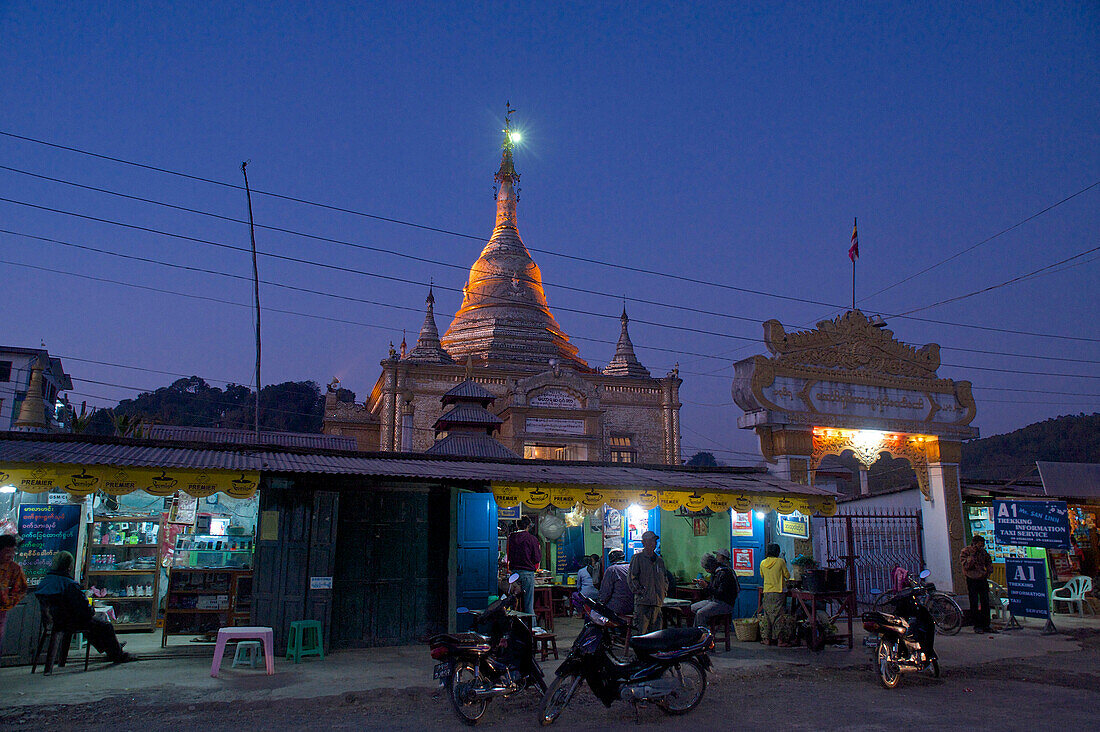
586 260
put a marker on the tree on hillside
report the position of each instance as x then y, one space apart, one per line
1070 438
294 406
702 460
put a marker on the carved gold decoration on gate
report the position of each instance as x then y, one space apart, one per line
867 445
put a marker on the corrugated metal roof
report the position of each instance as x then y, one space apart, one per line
17 448
482 446
1070 480
224 435
467 414
468 390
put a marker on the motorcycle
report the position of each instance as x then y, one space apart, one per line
945 611
475 668
906 638
669 669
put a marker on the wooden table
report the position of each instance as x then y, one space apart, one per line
675 611
811 602
688 592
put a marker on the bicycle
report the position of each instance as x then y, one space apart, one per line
946 613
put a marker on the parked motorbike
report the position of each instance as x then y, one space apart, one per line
945 611
669 669
475 668
906 637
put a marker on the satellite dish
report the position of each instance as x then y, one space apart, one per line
551 526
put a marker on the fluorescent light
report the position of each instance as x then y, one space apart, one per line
7 489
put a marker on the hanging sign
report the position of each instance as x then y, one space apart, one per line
718 502
507 495
619 500
46 530
564 498
1027 587
783 505
795 526
741 523
612 523
670 500
647 500
593 499
1031 523
83 480
695 502
508 513
741 504
537 498
826 506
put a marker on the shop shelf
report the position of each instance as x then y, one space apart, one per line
151 570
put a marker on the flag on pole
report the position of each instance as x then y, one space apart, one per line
853 251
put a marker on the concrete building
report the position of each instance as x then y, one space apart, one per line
551 403
17 366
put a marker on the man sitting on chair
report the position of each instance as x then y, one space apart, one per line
721 590
72 610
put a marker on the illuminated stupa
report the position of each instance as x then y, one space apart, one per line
504 316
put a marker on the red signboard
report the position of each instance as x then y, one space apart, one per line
743 563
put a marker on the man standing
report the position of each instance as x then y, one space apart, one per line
649 582
524 557
977 566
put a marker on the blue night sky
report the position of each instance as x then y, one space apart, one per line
728 143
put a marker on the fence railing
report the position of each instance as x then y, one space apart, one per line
870 545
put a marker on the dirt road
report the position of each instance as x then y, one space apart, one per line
1047 692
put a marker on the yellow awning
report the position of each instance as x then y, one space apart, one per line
82 480
537 496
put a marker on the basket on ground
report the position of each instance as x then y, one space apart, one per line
747 630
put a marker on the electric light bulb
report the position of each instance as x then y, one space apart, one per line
515 137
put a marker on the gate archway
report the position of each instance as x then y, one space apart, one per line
850 385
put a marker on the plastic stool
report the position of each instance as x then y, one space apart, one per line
305 640
249 653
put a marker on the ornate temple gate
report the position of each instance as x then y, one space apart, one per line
869 546
851 386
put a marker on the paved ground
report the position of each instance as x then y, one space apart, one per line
1019 680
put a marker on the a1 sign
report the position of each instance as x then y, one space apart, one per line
1027 587
1031 523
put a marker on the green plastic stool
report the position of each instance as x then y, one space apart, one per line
248 653
305 640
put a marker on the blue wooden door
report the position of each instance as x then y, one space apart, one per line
747 549
631 546
477 551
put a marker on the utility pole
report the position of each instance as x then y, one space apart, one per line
256 293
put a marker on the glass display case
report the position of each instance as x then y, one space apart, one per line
213 551
121 568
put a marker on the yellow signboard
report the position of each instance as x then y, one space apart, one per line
539 496
82 480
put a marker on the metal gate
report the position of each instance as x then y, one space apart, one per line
869 545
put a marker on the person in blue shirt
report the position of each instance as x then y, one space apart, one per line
71 609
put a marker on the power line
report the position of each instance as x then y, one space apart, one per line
1017 225
290 312
990 288
349 298
586 260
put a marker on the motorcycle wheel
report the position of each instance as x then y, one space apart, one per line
946 612
458 688
693 684
882 602
538 682
888 672
557 698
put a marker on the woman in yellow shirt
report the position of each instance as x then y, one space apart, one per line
774 604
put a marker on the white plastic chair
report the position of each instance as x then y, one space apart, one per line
1073 592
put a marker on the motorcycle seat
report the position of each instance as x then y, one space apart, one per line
669 639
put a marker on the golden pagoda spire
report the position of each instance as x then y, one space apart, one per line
507 177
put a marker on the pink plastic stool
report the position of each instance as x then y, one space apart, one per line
266 635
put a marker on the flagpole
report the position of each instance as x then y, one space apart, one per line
853 270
